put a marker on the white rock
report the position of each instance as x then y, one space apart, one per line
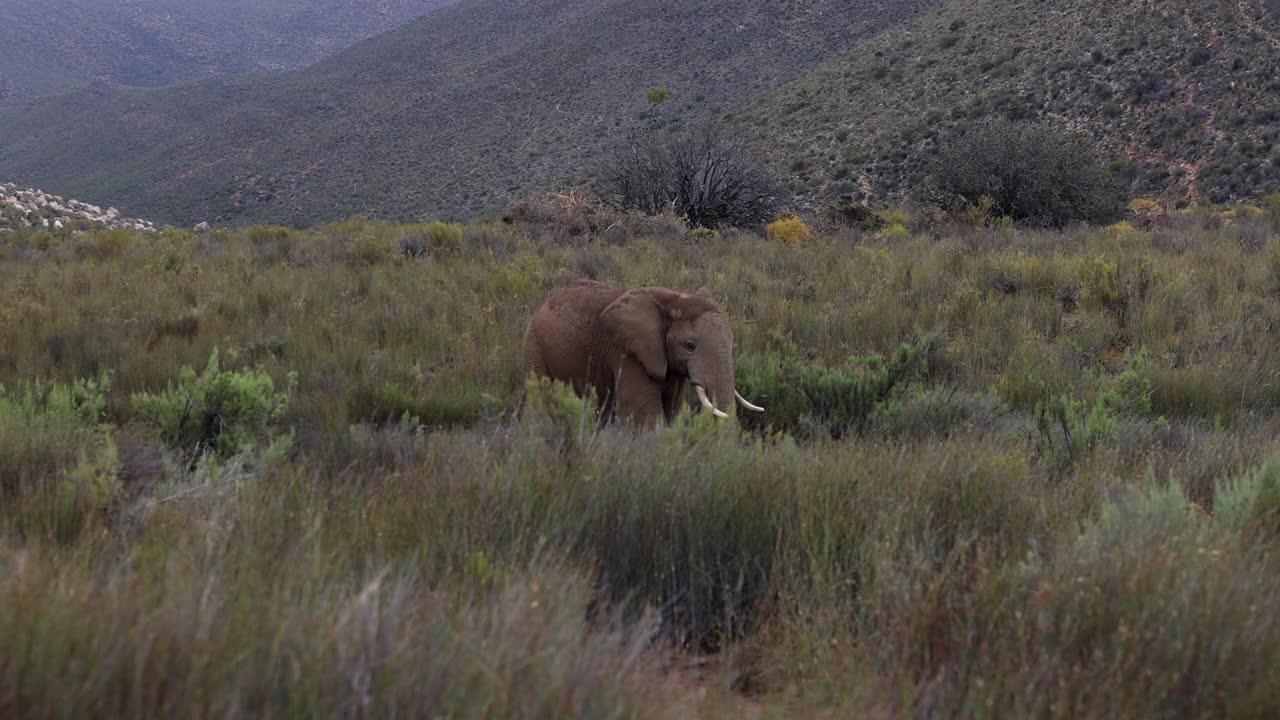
57 224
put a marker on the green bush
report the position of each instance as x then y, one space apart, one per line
1070 428
444 238
457 402
808 398
555 408
1035 174
370 247
58 463
104 244
219 411
1252 502
935 411
44 428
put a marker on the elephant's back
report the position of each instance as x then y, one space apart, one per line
579 304
563 339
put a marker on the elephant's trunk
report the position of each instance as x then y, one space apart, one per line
721 387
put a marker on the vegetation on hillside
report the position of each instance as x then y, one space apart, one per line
461 111
454 114
1184 94
1002 472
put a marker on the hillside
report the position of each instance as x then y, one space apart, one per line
1185 94
449 115
55 45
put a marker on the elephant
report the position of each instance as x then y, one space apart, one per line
638 349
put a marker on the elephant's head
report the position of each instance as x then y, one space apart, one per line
673 333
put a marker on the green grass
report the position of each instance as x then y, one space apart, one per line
1003 473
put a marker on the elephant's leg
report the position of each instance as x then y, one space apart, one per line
533 353
673 397
637 397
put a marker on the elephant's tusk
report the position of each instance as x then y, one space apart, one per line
706 402
747 403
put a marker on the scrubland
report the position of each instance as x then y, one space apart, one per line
274 472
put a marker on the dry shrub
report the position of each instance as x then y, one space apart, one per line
789 230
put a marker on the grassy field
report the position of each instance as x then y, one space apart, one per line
282 473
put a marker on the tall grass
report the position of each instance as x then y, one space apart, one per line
899 536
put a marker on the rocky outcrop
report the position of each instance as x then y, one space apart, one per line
22 208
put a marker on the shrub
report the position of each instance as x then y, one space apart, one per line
1034 174
789 230
1147 213
1252 502
369 247
556 410
1271 204
935 411
707 177
44 428
455 403
808 398
261 234
414 244
850 213
444 238
104 244
1070 428
657 96
58 463
222 411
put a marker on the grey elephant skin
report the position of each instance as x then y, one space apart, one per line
638 349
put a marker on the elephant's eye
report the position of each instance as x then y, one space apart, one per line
690 345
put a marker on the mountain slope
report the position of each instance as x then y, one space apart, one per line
450 115
55 45
1185 92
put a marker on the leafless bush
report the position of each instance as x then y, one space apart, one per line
708 177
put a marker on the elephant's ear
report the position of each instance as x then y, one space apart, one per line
637 322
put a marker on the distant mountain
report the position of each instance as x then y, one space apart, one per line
447 116
55 45
1185 93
